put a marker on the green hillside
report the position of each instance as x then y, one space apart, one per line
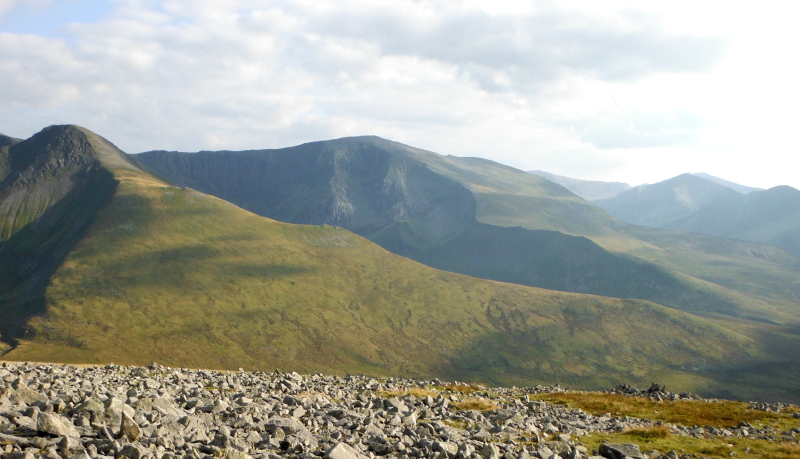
55 177
458 213
133 269
430 208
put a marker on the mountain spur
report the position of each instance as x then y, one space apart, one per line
65 412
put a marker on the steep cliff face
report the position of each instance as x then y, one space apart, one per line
362 184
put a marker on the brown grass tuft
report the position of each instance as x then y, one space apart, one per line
650 432
685 412
464 388
416 392
473 403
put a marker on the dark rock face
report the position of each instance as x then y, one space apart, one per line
613 451
362 184
115 411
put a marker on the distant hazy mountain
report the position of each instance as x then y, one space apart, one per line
690 202
664 202
770 216
734 186
589 190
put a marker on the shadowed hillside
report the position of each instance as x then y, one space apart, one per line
6 141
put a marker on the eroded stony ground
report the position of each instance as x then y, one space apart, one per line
54 412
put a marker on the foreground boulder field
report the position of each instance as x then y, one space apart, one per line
53 412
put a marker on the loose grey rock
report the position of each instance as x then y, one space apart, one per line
167 413
343 451
134 451
620 451
235 454
129 429
490 451
56 425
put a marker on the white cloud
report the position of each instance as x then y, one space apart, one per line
6 6
583 89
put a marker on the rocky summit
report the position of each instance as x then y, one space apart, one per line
52 411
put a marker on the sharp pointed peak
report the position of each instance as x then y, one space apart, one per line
71 140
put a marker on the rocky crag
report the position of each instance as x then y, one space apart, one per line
65 412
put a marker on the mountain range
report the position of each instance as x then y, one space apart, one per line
695 203
590 190
304 258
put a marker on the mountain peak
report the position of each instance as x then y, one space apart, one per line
68 144
52 164
734 186
662 202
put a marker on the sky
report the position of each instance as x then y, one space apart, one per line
627 91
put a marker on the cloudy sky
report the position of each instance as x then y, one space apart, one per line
607 90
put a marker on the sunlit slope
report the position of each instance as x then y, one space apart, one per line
510 197
481 218
436 210
169 274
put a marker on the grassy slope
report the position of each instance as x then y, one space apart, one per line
707 275
425 206
169 274
6 141
751 284
750 279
